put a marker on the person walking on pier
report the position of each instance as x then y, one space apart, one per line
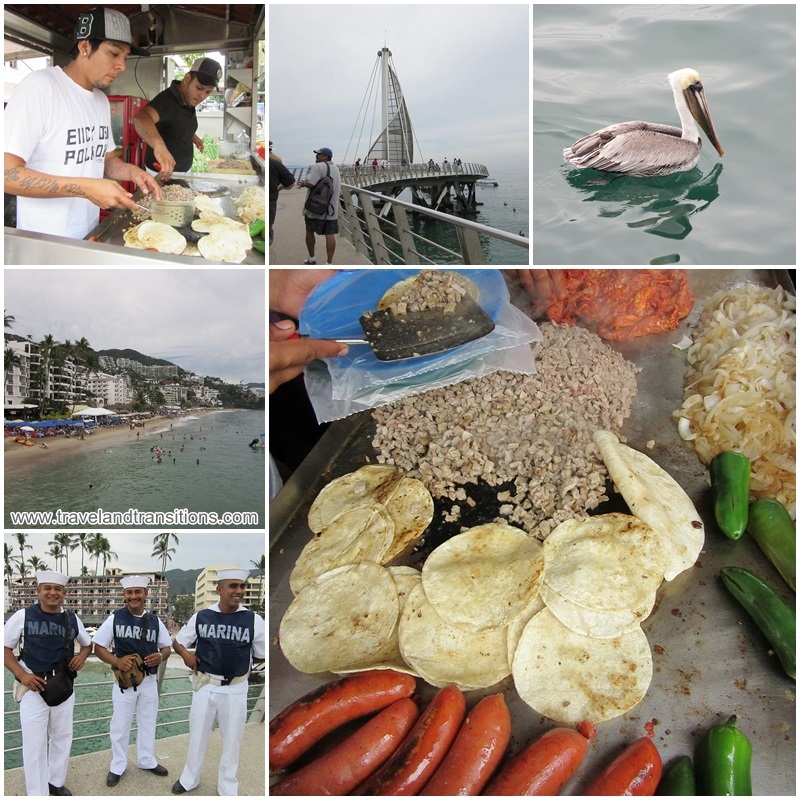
44 675
140 642
322 223
228 638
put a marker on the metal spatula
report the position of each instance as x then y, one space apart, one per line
420 333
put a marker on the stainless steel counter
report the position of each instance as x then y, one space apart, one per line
710 661
27 248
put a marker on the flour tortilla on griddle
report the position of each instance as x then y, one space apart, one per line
363 533
484 577
654 496
442 653
568 677
342 618
609 562
163 238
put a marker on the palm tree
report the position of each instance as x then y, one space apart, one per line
22 568
105 552
22 541
260 565
36 563
56 551
67 542
42 375
162 550
8 320
82 541
8 561
11 359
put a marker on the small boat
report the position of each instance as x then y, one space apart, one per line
258 444
487 182
20 440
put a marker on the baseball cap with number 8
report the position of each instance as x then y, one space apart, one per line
106 24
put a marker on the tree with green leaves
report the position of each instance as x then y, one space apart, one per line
36 563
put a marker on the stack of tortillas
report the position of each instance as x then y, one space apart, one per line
155 236
227 240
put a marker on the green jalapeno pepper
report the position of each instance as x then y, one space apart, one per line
730 486
256 227
678 779
723 761
773 616
771 526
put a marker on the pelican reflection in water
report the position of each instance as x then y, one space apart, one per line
645 149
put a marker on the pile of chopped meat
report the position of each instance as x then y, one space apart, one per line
534 431
430 289
169 192
621 304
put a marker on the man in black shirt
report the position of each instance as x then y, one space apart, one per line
169 122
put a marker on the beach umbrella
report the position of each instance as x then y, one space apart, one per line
26 428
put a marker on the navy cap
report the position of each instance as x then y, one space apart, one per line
325 151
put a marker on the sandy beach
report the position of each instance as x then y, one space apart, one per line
58 447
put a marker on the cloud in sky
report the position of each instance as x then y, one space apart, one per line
209 321
463 70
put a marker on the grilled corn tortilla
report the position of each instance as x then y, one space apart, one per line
154 236
610 562
655 497
442 653
484 577
408 502
389 657
589 622
343 618
364 533
568 677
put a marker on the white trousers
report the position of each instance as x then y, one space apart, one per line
144 703
228 705
43 725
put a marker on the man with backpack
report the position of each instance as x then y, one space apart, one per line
321 209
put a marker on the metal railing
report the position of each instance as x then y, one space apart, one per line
369 231
255 700
366 176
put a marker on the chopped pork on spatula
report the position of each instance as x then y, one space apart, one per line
656 498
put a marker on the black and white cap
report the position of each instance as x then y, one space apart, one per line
106 24
208 71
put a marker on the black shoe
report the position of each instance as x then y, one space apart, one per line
112 779
156 770
60 791
178 789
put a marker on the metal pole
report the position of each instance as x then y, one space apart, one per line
384 54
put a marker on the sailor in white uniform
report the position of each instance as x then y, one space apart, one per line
127 632
228 639
42 630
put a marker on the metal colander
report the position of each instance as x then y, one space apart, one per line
178 213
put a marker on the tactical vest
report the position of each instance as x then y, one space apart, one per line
128 634
225 642
43 638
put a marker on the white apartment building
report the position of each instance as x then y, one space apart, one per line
174 393
65 382
205 590
206 395
17 381
109 390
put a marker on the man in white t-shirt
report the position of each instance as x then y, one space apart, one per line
59 152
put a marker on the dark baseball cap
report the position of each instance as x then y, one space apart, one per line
108 25
324 151
208 71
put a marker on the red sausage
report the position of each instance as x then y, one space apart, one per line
636 771
476 752
543 767
421 752
344 767
310 718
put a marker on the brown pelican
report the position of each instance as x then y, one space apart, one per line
643 149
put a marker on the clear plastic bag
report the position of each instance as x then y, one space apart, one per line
359 381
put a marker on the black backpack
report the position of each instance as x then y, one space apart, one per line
320 196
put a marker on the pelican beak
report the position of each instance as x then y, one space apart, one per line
698 106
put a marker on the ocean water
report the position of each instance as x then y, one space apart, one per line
594 65
229 478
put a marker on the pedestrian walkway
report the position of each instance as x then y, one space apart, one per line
289 246
86 775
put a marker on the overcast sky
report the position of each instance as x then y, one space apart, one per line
463 70
209 321
195 550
